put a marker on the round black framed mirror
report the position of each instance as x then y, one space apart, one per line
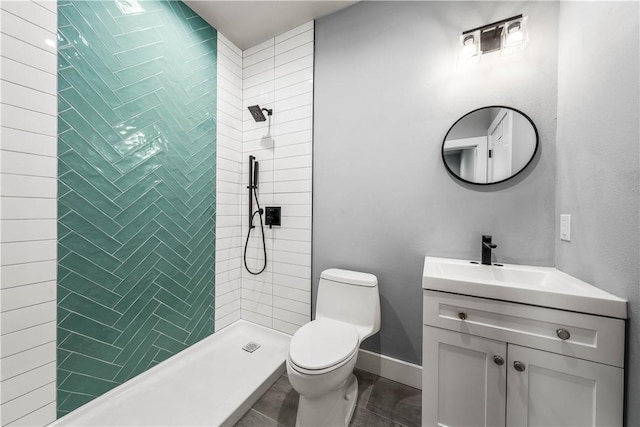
490 145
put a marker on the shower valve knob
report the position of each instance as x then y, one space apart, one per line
273 216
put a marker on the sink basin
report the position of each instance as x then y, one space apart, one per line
543 286
466 271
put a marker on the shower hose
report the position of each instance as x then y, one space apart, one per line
246 243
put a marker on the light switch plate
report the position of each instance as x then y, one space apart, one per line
565 227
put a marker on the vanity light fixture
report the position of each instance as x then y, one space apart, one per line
505 34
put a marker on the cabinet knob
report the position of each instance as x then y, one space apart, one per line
563 334
519 366
462 315
498 360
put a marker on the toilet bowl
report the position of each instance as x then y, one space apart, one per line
323 353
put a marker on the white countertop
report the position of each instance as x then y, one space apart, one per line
541 286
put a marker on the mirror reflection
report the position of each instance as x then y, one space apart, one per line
489 145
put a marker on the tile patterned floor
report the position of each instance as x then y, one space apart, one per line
381 403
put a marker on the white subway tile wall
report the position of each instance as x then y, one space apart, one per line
228 180
28 228
278 74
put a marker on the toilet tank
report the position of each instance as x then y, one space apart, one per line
351 297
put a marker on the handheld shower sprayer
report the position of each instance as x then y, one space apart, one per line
255 175
257 114
253 193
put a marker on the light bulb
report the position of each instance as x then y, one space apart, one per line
514 33
469 47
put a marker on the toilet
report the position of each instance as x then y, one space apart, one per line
323 353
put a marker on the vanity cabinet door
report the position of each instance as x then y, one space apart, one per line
464 379
548 389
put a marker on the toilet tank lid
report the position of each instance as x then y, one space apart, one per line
349 277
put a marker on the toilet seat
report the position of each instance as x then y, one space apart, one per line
323 345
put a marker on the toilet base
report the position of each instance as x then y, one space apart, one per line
332 409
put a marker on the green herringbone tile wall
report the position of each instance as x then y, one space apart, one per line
136 189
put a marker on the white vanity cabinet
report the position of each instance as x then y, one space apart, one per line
488 362
461 383
559 390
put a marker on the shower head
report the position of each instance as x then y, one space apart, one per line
256 112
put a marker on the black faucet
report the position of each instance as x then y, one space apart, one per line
486 249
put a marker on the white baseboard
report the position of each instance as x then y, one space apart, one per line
390 368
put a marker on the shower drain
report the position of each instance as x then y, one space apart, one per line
251 347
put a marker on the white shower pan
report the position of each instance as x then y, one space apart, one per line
212 383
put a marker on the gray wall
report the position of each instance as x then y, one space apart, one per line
387 89
597 157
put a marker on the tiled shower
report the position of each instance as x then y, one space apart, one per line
138 209
278 73
136 190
